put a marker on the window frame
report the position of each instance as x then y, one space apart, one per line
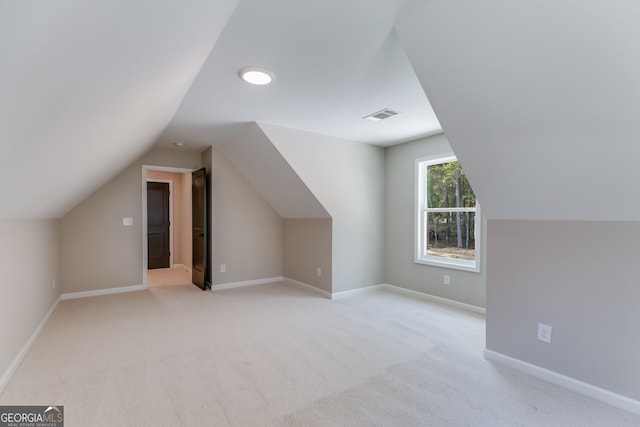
420 234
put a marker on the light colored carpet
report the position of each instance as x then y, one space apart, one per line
274 355
168 277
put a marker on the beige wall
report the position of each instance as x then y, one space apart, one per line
247 231
96 250
181 223
581 278
307 247
29 265
400 268
347 178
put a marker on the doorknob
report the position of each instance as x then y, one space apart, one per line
203 235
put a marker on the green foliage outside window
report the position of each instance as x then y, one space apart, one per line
450 227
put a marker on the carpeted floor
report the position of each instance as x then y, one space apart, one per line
277 355
168 277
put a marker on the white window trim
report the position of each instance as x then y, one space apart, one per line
420 236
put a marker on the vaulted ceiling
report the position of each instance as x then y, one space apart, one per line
87 87
334 62
538 99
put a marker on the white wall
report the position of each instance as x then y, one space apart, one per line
400 268
29 265
347 178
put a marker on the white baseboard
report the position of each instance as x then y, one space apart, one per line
6 377
415 294
345 294
233 285
606 396
307 286
336 295
99 292
440 300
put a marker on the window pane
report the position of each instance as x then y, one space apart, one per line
451 235
448 187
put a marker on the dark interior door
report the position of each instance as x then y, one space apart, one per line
158 224
199 224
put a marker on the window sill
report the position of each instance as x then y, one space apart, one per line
453 264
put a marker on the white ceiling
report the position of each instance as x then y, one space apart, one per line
539 99
262 164
86 87
335 62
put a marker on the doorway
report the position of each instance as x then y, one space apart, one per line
160 225
166 226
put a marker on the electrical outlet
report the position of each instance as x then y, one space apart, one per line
319 272
127 221
223 268
54 283
447 279
544 332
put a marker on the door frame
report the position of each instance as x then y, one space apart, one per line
170 182
145 249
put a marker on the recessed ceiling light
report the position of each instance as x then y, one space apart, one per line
178 144
256 76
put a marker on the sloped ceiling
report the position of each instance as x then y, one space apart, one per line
539 100
86 87
261 163
334 61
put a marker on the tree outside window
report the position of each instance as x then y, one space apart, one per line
448 215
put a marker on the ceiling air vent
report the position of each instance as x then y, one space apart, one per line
380 115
